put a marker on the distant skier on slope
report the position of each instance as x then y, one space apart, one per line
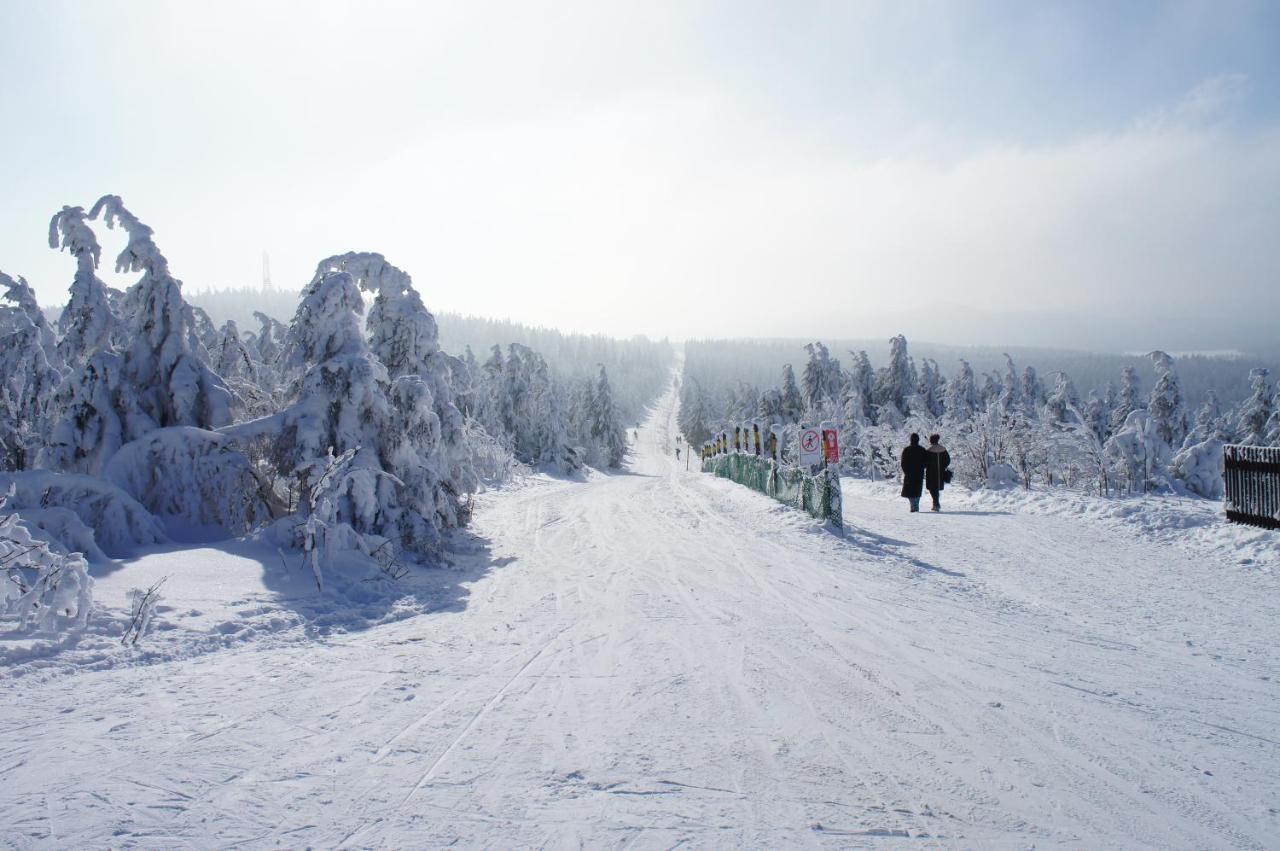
914 459
677 453
937 469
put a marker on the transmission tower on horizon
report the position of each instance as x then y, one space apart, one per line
267 286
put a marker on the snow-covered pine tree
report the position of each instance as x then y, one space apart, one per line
792 401
1166 407
88 323
862 378
1061 405
1012 399
28 384
992 391
404 336
693 413
961 394
346 405
1097 416
932 387
1033 394
18 291
606 425
896 382
1127 401
165 360
1255 412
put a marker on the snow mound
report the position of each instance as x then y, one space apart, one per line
119 522
191 478
63 531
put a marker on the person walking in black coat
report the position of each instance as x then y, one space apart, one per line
936 472
914 460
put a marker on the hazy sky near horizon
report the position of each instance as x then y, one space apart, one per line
682 168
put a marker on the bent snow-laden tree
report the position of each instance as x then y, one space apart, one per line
160 379
399 484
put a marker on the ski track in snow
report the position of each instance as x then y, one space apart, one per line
658 659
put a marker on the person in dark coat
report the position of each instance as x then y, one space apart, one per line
914 460
935 469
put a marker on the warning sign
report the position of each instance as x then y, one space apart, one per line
810 446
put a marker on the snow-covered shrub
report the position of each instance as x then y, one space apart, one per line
63 531
192 474
1139 452
143 603
1200 468
44 589
119 522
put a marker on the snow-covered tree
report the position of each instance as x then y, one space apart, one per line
345 402
1140 452
28 384
930 388
895 383
1062 404
1165 405
1033 394
19 292
165 358
1255 412
88 323
1127 401
693 413
821 380
961 394
792 401
606 426
1012 399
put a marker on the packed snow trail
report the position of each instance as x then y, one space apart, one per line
660 658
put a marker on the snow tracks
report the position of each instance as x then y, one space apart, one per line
659 658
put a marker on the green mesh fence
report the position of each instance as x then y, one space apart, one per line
818 495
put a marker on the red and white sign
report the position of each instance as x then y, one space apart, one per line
810 446
831 445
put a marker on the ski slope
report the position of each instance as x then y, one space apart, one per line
659 658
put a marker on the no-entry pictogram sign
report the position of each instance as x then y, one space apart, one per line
810 446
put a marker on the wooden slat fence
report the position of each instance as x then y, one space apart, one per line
1252 476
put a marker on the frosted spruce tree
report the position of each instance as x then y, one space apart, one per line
165 359
88 323
961 394
792 401
372 444
157 379
606 424
28 384
1255 412
19 293
895 383
1127 400
1012 400
1165 405
404 336
1062 405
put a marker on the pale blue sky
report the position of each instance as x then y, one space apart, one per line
593 165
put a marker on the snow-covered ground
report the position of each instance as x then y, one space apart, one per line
660 658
